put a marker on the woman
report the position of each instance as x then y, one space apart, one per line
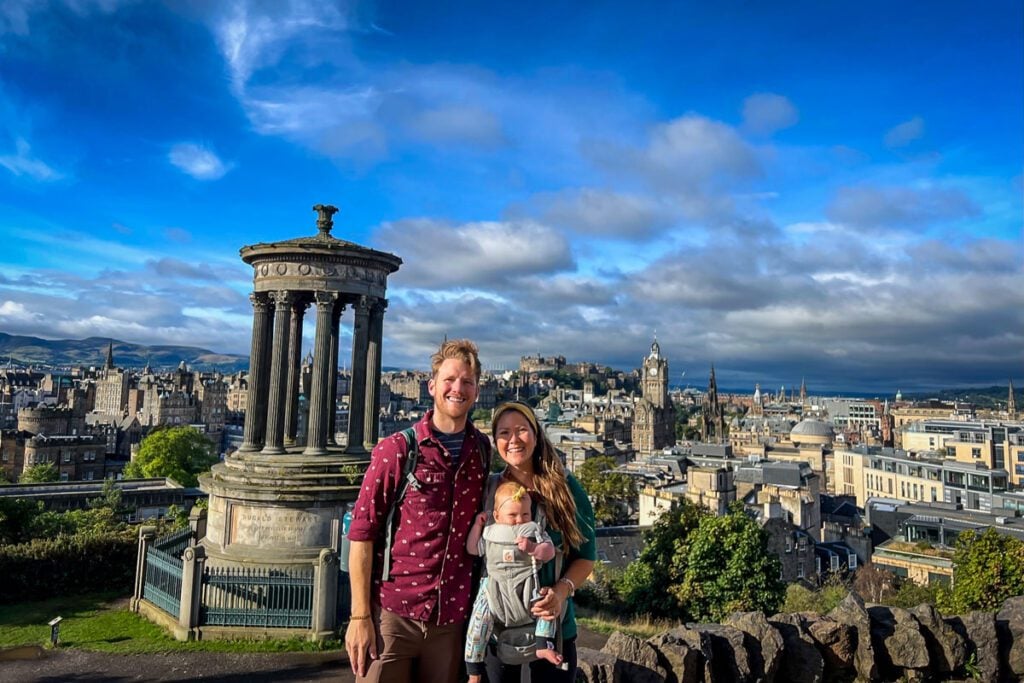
531 460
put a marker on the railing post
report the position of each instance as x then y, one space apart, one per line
325 595
191 591
197 522
146 536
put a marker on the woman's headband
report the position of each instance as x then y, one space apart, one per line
521 408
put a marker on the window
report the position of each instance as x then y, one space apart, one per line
800 571
975 452
67 456
833 561
851 561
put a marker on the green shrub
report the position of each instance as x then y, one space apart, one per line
68 565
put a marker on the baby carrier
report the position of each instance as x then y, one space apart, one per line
514 625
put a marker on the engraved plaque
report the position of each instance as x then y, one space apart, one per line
265 527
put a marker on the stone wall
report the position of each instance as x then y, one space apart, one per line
853 642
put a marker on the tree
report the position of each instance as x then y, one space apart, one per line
180 453
646 586
988 568
39 474
729 569
16 519
873 584
610 491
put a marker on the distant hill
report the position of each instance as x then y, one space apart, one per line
982 397
92 351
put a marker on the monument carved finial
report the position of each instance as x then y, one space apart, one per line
325 218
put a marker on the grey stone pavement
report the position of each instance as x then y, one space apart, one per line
82 666
36 665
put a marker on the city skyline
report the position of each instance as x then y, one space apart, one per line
830 193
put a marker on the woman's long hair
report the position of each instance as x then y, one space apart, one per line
549 478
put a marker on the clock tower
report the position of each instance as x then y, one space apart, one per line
655 381
654 417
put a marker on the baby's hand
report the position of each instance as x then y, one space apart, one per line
481 519
525 544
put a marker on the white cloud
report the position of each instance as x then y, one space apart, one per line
766 113
876 207
904 133
439 254
601 212
697 148
197 161
467 124
22 163
12 310
252 35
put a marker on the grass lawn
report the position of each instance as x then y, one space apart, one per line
102 622
641 627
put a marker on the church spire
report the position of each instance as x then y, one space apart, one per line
1011 403
108 364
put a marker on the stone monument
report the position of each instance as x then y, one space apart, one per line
276 501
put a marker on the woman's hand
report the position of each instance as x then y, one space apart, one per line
549 606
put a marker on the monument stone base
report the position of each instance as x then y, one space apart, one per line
278 510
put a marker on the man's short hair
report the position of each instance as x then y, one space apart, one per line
460 349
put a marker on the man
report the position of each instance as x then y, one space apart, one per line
409 627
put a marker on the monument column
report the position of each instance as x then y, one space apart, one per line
319 391
373 368
255 419
274 442
335 343
357 384
291 413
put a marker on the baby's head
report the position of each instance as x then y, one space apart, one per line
511 504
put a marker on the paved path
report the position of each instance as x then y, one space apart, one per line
79 665
35 665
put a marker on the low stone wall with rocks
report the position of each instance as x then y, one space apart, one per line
853 642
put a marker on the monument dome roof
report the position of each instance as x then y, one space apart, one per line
812 431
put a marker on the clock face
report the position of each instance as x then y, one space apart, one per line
653 372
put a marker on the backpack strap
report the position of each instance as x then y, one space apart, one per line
412 453
484 445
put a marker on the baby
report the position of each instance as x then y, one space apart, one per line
512 548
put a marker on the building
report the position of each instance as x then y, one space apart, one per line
81 457
867 472
654 417
112 385
712 426
788 490
141 499
541 364
713 488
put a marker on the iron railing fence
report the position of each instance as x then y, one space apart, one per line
269 598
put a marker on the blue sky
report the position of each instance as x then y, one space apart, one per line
829 191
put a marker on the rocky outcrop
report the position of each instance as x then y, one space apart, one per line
637 660
978 630
763 642
852 642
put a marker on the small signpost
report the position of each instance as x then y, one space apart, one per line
55 630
